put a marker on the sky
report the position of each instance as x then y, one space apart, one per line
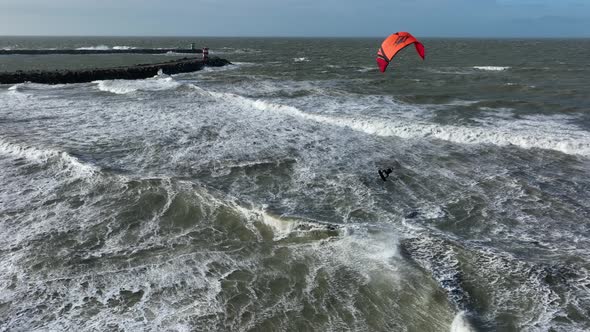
304 18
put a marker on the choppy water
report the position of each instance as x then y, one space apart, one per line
246 198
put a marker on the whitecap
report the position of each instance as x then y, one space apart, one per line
35 86
94 48
43 155
491 68
124 48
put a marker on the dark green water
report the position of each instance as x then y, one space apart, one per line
246 198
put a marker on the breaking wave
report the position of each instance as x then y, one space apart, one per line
528 133
34 86
124 48
157 83
93 48
461 324
61 159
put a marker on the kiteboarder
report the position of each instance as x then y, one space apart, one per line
389 48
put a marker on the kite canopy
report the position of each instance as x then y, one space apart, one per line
395 43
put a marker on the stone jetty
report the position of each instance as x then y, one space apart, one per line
142 71
102 51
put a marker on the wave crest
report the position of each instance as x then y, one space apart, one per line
528 133
60 159
157 83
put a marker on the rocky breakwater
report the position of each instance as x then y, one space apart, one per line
102 51
142 71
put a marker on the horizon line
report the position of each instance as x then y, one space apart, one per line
294 36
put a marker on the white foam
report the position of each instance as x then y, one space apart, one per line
461 324
105 48
157 83
366 252
104 286
491 68
272 87
302 59
16 87
373 256
429 211
92 48
239 63
34 86
281 227
124 48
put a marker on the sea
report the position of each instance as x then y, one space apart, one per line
247 197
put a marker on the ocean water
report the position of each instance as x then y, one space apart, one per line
246 198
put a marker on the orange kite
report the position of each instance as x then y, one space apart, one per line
395 43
